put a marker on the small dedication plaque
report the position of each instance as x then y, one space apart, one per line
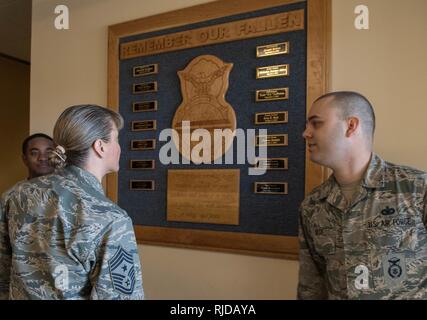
273 49
145 106
204 196
271 188
274 140
272 94
144 125
272 71
142 164
140 145
271 117
140 71
272 163
142 185
145 87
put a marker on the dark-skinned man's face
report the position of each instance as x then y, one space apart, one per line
36 157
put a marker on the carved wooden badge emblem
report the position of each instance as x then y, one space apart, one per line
204 83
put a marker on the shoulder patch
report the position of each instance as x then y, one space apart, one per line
122 271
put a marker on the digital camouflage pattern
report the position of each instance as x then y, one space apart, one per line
374 249
62 238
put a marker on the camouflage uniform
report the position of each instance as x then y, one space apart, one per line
61 238
380 240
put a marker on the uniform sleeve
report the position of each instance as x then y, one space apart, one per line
425 201
311 284
116 274
5 255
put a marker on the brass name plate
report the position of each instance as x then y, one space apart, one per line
142 164
272 163
204 196
144 106
272 94
144 125
273 49
140 71
142 185
271 117
145 87
281 70
274 140
140 145
271 188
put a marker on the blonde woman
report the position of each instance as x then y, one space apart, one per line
60 236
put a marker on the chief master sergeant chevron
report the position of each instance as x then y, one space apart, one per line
363 231
60 236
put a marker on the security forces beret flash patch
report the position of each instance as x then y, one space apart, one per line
122 271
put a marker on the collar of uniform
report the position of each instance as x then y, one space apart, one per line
86 177
374 177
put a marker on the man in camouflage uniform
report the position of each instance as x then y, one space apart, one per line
362 232
69 241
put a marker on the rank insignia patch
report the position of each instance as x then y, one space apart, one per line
122 271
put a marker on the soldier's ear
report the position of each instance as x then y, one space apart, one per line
98 147
353 124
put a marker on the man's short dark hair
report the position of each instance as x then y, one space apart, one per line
33 136
354 104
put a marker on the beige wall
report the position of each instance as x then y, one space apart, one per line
386 63
14 120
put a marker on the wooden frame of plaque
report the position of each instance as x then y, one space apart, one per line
145 125
142 145
142 185
318 26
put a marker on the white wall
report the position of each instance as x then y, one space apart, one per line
386 63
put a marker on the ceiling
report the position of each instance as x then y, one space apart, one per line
15 29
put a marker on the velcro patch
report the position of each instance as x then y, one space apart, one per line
122 271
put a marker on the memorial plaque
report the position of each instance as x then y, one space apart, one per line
272 163
142 164
204 196
272 49
272 94
145 87
142 185
141 145
271 117
145 106
281 70
271 188
140 71
144 125
274 140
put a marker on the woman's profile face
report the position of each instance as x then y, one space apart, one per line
113 151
